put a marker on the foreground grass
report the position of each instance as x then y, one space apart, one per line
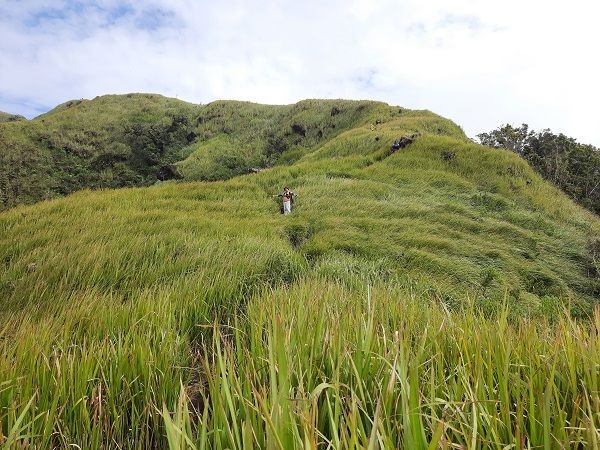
313 365
387 371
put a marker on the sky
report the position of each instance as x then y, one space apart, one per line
480 63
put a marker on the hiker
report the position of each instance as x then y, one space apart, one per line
287 200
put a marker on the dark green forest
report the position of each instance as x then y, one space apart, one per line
560 159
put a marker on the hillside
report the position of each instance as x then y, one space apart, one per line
111 141
7 117
475 219
136 139
413 297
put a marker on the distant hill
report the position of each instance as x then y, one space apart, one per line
7 117
105 142
137 139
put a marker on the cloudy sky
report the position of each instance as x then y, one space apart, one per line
481 63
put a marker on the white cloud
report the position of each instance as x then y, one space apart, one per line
477 62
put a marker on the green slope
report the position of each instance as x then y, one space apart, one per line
7 117
362 306
111 141
235 136
479 222
135 139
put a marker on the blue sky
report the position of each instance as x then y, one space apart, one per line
477 62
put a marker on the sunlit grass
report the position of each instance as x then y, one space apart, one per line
408 302
308 366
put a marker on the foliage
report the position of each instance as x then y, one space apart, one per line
111 141
117 141
410 301
6 117
573 167
156 144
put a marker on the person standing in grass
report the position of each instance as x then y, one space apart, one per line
287 200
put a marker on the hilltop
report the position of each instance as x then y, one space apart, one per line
136 139
400 270
7 117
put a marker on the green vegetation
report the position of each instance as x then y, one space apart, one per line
111 141
136 139
438 296
573 167
7 117
236 136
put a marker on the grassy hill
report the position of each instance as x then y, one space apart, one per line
136 139
111 141
7 117
417 298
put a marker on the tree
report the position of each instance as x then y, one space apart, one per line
571 166
508 137
155 144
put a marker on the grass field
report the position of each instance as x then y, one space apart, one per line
442 296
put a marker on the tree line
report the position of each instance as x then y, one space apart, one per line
571 166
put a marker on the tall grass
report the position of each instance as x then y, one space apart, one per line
408 302
322 367
313 365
